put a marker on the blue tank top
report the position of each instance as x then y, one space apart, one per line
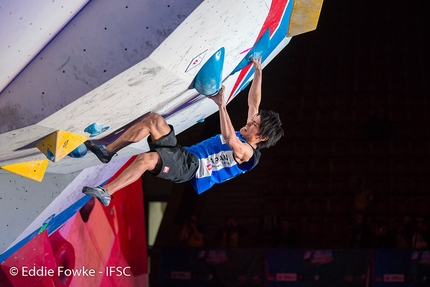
217 163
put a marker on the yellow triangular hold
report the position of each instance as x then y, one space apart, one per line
59 144
33 169
304 17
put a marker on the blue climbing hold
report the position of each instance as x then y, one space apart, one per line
209 79
50 155
95 129
256 52
79 152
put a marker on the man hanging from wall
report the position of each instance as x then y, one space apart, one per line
212 161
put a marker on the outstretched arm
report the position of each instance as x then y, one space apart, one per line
242 151
254 95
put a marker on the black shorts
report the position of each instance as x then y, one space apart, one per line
177 164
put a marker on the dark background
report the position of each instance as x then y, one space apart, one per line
354 99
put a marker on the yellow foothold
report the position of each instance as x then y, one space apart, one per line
59 144
34 170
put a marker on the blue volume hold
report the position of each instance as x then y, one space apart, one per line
208 80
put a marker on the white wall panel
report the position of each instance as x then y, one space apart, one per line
104 39
26 27
22 200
